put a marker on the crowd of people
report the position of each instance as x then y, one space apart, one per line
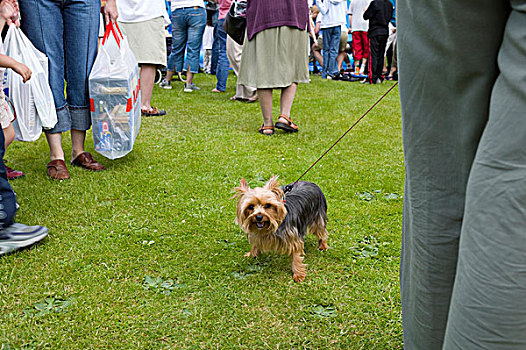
321 36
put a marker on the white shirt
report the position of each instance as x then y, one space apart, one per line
333 12
356 10
177 4
318 20
140 10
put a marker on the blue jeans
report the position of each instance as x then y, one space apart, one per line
188 26
331 43
7 196
223 65
67 32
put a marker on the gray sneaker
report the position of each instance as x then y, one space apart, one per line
18 236
190 87
165 85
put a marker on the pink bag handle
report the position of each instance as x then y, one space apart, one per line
110 29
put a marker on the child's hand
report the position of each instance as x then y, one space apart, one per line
23 70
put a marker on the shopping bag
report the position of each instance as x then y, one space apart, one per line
115 95
33 101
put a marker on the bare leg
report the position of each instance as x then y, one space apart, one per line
287 97
318 57
55 146
189 77
147 78
9 134
340 58
169 75
265 102
77 142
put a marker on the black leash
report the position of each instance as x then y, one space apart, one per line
288 188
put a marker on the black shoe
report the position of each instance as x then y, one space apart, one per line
348 77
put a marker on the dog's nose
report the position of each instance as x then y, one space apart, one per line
259 217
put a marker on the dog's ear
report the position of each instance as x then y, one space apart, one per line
243 187
273 186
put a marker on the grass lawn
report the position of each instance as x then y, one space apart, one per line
146 255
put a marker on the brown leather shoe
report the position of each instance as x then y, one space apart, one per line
56 169
86 161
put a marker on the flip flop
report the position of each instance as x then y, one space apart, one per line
289 127
263 128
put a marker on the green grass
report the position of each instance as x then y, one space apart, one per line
165 211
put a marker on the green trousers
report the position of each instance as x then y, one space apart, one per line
462 78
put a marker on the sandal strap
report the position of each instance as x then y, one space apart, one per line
291 123
270 127
286 118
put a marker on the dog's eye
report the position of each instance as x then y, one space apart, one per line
251 207
267 206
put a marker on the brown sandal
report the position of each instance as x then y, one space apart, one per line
289 127
263 128
56 169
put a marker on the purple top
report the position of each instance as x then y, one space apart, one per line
265 14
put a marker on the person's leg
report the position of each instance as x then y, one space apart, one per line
9 135
487 308
394 63
326 40
334 42
366 51
7 196
196 23
356 51
215 51
443 116
179 39
287 98
13 236
222 63
344 36
171 62
265 102
42 22
373 59
80 18
382 41
316 52
147 76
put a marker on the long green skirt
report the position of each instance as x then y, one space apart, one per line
275 58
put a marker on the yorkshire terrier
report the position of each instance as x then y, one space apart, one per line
277 219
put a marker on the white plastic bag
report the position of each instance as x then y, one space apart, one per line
33 101
115 95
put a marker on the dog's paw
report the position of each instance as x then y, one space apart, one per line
323 245
248 255
297 277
